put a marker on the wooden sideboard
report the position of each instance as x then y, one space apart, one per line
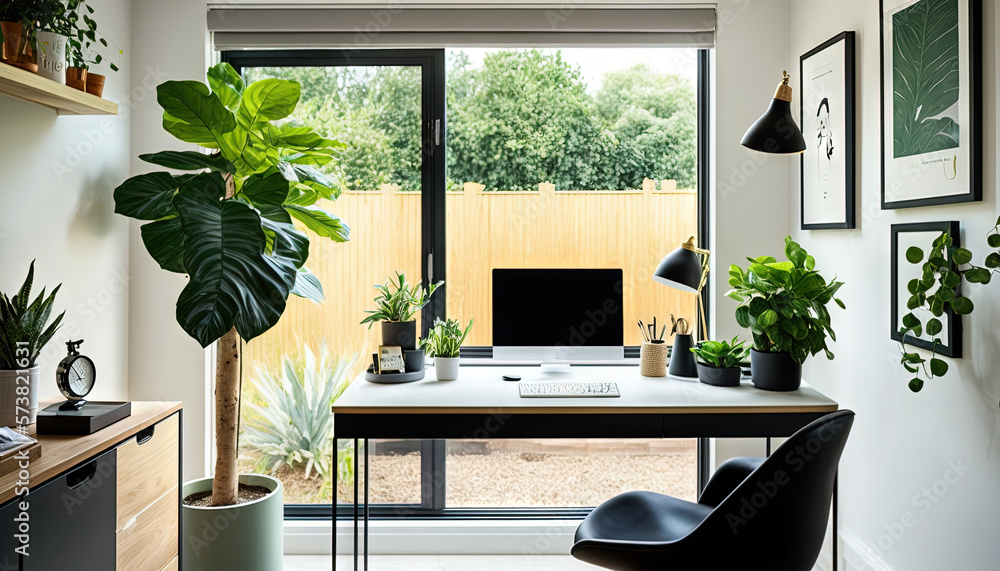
108 500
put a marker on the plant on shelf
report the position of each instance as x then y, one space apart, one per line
397 302
229 226
784 306
937 292
24 330
292 423
444 343
20 24
722 354
82 32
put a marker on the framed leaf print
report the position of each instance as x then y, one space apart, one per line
826 88
931 102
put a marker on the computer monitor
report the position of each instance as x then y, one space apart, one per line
558 315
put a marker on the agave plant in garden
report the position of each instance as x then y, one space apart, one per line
294 425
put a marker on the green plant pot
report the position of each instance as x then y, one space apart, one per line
248 537
774 371
719 376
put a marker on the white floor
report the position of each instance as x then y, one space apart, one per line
440 563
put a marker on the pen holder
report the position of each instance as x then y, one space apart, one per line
653 360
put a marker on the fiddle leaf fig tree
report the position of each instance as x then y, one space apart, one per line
938 292
229 222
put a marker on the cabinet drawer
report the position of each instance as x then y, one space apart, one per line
150 541
147 467
172 566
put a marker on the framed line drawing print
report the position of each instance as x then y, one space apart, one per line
826 91
931 102
921 235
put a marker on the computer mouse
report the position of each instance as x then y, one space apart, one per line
512 378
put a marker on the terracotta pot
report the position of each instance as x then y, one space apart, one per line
76 77
17 49
95 84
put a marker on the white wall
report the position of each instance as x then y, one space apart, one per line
171 42
903 443
57 175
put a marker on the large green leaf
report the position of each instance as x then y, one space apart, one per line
267 100
925 77
164 240
193 114
320 222
232 282
227 84
146 196
189 161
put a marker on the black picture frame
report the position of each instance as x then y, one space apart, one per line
907 181
844 171
951 345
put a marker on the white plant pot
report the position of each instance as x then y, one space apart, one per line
52 56
446 368
10 380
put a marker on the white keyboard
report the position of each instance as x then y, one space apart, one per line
567 389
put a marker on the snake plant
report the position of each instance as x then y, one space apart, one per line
23 325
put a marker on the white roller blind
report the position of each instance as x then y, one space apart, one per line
393 25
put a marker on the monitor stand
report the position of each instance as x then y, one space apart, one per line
556 368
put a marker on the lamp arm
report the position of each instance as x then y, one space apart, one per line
703 330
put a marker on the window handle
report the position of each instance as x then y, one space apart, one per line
437 132
430 268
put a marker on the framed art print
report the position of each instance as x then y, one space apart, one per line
826 88
921 235
931 102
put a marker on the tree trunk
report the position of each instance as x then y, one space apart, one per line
227 410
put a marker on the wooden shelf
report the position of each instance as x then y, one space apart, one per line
66 100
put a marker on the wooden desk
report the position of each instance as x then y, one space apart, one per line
482 405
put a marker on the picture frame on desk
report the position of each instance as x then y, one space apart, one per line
390 359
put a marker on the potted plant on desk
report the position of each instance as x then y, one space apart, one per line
228 225
23 334
444 343
719 361
784 305
397 303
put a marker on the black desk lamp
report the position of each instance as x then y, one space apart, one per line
776 132
686 269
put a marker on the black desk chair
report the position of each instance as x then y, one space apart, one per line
756 514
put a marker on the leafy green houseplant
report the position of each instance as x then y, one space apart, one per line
784 306
19 24
936 293
719 361
397 302
444 343
228 225
24 330
292 426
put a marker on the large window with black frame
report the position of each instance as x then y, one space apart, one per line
544 150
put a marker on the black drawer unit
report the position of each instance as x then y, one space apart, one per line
8 527
73 519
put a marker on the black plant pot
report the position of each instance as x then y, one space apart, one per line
401 333
774 371
719 376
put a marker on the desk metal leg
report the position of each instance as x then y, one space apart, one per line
366 504
336 482
355 553
767 452
836 534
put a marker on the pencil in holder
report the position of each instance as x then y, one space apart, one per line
653 359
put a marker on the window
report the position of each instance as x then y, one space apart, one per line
548 158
